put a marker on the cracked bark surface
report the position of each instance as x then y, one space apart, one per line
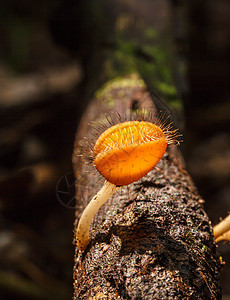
152 239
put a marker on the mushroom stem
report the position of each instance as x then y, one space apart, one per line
223 237
97 201
222 227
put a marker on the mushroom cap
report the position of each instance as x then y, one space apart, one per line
126 152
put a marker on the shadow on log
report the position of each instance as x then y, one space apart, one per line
152 239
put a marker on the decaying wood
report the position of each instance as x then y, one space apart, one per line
151 240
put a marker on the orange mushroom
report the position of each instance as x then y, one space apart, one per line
123 154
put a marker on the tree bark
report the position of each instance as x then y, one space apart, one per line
152 239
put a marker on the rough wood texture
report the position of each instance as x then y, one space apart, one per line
152 239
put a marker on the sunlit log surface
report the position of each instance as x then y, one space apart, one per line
151 240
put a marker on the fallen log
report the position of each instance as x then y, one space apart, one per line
152 239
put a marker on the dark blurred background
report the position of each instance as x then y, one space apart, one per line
54 55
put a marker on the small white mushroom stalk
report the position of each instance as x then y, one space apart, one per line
88 214
222 230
